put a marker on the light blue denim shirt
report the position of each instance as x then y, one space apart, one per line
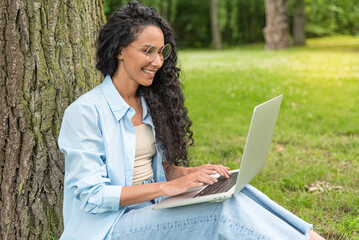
98 140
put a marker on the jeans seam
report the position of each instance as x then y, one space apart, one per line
229 223
175 224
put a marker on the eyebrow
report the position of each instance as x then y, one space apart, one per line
149 45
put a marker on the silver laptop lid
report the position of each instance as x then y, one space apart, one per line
258 141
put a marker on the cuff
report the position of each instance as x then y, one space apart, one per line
111 197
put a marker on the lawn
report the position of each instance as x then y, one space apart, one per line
316 139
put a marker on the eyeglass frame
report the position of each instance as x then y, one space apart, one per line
157 54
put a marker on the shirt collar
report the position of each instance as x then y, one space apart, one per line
144 108
118 106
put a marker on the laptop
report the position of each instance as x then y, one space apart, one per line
254 158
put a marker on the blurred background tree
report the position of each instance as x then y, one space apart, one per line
299 22
242 21
216 33
331 17
276 31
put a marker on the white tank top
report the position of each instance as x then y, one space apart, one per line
145 149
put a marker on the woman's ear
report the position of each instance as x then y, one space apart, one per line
119 56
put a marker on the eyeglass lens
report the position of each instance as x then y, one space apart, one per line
151 52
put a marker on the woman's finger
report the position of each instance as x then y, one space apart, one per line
205 178
226 170
208 171
223 171
220 169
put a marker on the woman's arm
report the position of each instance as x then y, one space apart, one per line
141 193
86 177
180 179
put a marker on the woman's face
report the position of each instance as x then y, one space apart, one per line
133 65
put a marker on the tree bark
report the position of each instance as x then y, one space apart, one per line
276 33
216 34
47 59
299 23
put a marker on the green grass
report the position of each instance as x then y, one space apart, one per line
318 124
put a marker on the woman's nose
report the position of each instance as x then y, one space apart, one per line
157 62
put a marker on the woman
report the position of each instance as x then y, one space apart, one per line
124 142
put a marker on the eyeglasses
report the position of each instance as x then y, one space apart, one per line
151 52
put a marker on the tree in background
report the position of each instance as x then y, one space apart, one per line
299 22
216 34
239 21
242 21
166 7
47 59
192 24
190 19
276 32
331 17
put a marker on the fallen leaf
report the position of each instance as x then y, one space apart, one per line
280 149
319 187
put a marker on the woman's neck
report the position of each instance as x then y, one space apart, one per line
126 88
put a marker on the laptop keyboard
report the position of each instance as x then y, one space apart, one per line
223 185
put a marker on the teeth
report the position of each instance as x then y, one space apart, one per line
148 71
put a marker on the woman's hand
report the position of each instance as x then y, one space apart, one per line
195 177
220 169
182 184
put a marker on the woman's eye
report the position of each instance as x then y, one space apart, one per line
151 50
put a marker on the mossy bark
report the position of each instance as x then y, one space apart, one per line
47 59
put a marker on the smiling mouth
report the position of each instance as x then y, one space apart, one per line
149 71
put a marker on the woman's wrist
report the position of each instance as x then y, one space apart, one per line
163 187
181 171
187 170
173 172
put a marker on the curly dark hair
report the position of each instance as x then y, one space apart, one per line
164 96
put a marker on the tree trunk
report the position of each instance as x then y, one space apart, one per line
276 33
47 60
299 23
216 34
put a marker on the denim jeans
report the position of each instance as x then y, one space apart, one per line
248 215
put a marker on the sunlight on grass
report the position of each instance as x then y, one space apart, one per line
333 41
317 129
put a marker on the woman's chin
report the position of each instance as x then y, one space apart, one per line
147 83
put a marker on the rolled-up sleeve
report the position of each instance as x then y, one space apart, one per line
81 141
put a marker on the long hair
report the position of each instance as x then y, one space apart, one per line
164 96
